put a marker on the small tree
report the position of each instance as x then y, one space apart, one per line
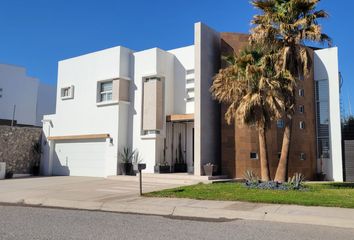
251 88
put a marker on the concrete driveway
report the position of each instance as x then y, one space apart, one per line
82 190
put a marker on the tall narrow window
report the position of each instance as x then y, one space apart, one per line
301 108
106 91
302 156
153 105
302 125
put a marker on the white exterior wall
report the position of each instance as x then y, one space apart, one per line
207 110
152 62
326 67
32 98
183 70
172 67
82 115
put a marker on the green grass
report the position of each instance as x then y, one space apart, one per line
315 194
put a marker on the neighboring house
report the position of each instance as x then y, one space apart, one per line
159 102
23 99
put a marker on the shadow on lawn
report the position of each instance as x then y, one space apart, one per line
340 185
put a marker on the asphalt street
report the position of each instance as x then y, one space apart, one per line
19 222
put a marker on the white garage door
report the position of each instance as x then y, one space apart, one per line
80 158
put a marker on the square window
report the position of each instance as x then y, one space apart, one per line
302 125
106 91
253 155
67 92
301 108
301 92
302 156
280 123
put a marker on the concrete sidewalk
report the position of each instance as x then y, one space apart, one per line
122 196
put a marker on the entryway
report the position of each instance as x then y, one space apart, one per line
179 145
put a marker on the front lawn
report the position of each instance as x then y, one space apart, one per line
315 194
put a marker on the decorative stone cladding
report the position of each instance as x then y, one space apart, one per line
17 148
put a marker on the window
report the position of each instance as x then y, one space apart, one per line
302 156
67 92
190 80
301 92
0 92
153 117
280 123
302 125
253 155
301 77
106 91
151 132
301 108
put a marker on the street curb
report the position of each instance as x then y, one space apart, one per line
183 212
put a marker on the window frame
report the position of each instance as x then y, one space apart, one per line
67 92
282 125
256 156
302 125
301 109
301 92
106 93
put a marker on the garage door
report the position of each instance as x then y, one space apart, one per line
80 158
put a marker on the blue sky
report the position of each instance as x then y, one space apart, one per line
37 34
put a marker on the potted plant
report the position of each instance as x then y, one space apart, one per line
210 169
126 157
180 164
163 167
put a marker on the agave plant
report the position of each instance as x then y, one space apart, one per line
297 181
127 155
251 177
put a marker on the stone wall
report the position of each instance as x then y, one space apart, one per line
17 148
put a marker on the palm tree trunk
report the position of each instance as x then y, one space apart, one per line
265 175
282 170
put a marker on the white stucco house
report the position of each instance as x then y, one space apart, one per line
157 101
23 98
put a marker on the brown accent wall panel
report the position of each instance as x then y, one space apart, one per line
246 138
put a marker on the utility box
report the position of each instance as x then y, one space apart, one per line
2 170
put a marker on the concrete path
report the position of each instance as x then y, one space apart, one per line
121 195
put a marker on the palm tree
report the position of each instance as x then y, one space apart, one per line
251 88
288 25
